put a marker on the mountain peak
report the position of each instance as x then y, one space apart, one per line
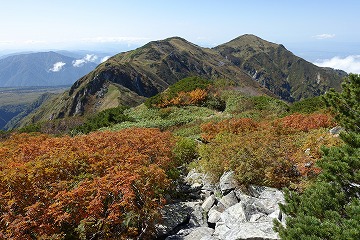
250 40
175 38
250 36
175 41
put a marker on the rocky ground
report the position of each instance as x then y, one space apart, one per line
221 211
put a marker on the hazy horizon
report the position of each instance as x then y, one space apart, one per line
322 32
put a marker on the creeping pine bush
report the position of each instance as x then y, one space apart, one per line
308 105
105 118
257 107
185 150
163 118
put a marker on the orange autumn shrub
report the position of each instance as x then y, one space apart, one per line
303 122
234 125
257 157
309 150
193 97
266 153
109 184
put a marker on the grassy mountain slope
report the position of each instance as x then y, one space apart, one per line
256 67
147 71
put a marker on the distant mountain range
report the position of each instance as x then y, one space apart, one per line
255 65
45 68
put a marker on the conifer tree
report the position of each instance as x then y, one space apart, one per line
330 208
346 104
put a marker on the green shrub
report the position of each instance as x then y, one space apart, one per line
35 127
308 105
185 150
163 118
154 100
216 103
237 103
266 103
187 85
106 118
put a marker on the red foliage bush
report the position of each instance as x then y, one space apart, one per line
50 186
234 125
302 122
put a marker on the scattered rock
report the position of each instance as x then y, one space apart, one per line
214 215
220 230
194 177
201 233
208 203
247 231
197 218
308 164
227 182
258 217
336 130
173 216
200 181
234 215
229 200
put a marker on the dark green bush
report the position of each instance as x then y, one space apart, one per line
187 85
35 127
154 100
308 105
185 150
216 103
268 103
105 118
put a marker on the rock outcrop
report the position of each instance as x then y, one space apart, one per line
223 211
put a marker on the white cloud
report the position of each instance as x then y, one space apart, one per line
324 36
86 59
57 67
350 64
91 57
104 59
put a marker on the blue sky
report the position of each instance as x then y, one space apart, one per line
314 29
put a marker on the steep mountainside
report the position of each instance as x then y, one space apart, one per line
42 69
279 70
257 67
147 71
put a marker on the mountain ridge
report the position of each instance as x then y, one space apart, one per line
256 66
289 73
